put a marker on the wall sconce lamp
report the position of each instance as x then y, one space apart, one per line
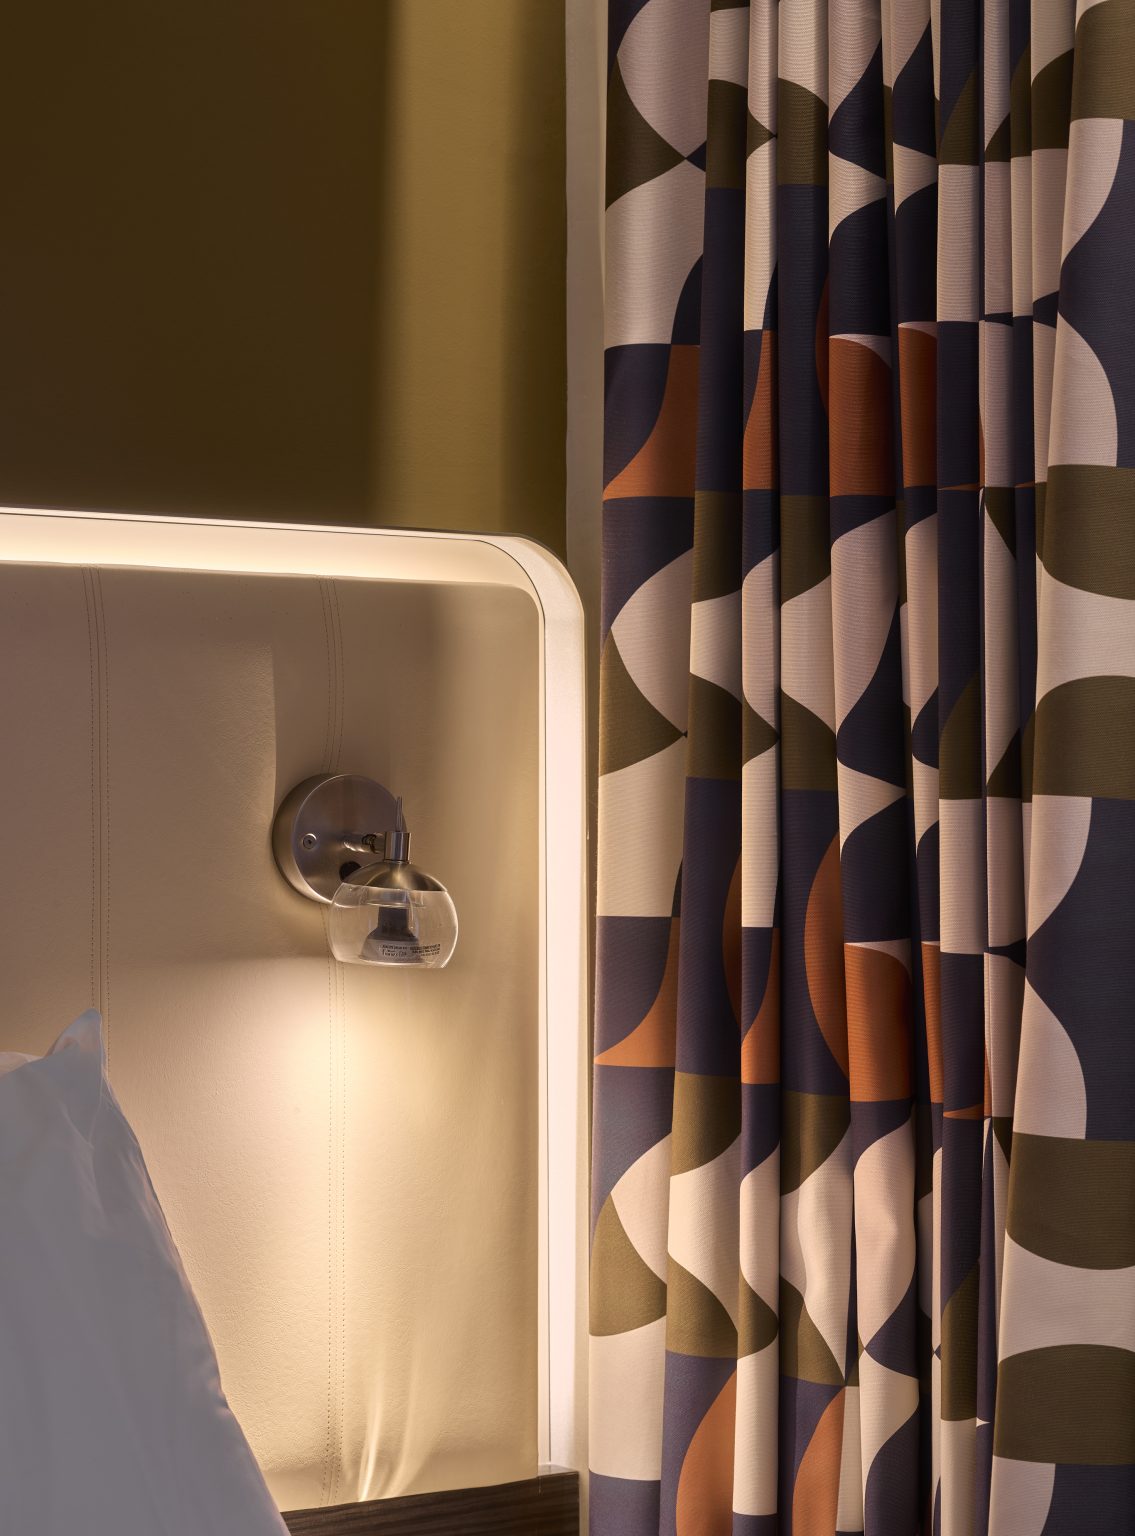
341 839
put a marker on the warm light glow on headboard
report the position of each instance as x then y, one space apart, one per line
194 544
389 555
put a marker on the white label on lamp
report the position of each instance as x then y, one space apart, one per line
408 953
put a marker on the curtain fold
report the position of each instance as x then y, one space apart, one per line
863 1252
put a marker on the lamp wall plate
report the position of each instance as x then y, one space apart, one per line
318 825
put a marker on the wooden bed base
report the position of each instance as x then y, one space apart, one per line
547 1505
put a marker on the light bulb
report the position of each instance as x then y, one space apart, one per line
393 913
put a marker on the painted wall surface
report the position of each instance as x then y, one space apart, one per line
586 103
470 404
586 86
286 259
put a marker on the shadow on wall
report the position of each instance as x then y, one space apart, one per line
471 395
285 260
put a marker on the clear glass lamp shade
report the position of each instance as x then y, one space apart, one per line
393 914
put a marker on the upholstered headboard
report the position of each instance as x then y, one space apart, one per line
355 1162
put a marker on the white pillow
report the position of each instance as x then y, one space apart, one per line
112 1417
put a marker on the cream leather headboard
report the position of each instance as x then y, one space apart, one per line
353 1160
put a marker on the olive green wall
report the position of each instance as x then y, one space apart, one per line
296 259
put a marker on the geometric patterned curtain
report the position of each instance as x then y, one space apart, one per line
863 1252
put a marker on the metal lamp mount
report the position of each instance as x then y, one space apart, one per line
330 825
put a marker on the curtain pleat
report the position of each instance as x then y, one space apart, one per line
863 1253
